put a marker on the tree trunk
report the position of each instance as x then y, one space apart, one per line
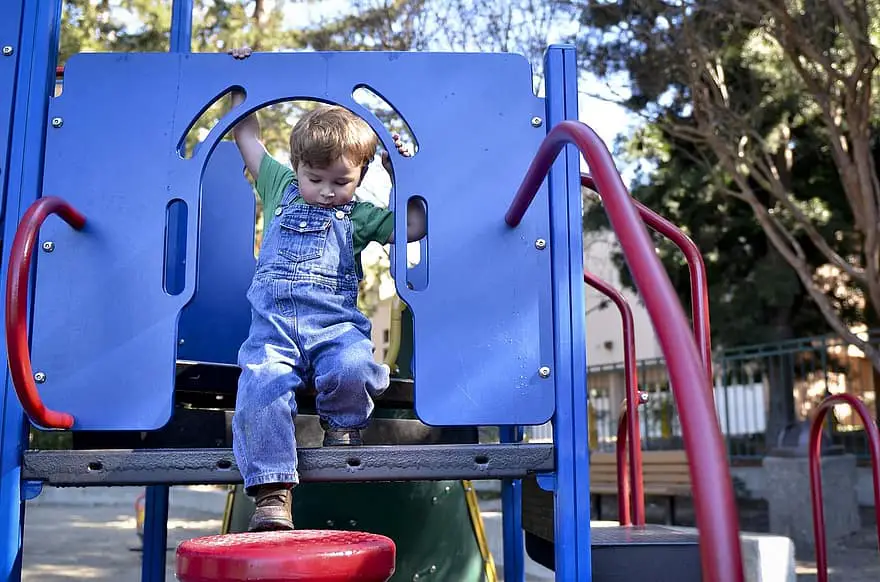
779 372
780 376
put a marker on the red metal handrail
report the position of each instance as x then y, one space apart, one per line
632 420
626 495
873 435
696 267
16 307
720 552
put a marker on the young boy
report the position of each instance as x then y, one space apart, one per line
305 327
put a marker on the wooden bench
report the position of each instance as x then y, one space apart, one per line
665 474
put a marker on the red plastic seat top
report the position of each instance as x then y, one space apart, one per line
287 556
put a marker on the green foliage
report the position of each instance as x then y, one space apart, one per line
732 134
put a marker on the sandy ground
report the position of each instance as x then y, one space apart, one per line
89 535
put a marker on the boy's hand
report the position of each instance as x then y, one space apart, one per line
402 148
247 131
241 52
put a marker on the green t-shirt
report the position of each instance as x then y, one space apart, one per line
369 222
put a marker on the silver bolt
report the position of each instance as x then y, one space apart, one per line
433 569
48 246
181 341
540 244
352 523
537 121
8 50
40 377
544 371
416 576
57 122
433 501
329 523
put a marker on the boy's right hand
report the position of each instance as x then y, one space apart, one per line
241 52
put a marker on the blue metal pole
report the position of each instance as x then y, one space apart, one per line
511 517
155 533
570 424
36 46
156 502
181 26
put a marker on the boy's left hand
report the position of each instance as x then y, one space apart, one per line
402 148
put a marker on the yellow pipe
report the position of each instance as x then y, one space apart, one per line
397 307
226 525
479 530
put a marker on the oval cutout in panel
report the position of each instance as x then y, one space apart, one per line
174 277
205 121
417 271
386 113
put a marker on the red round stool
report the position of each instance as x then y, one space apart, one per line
287 556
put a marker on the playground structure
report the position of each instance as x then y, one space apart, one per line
154 249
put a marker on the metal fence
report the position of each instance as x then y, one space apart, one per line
758 390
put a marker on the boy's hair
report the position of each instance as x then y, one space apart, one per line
329 132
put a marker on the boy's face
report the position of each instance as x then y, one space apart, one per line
330 186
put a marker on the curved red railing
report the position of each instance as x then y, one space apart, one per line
696 268
628 512
16 307
873 435
720 551
626 495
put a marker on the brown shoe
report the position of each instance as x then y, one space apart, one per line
273 509
341 437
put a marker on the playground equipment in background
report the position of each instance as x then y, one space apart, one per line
133 292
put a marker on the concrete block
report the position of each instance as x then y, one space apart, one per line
788 498
766 557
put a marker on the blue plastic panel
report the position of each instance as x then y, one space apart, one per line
10 23
216 322
105 329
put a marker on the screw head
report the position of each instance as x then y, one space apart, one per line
352 523
48 246
8 50
643 397
40 377
544 371
57 122
329 523
537 121
181 341
540 244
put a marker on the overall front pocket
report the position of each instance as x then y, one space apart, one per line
303 236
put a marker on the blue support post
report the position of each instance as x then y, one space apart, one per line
570 424
156 502
34 82
511 517
155 533
181 26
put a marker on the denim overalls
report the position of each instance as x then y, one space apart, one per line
305 330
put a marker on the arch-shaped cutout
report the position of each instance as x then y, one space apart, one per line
277 119
205 121
388 115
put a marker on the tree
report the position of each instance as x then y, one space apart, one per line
756 87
